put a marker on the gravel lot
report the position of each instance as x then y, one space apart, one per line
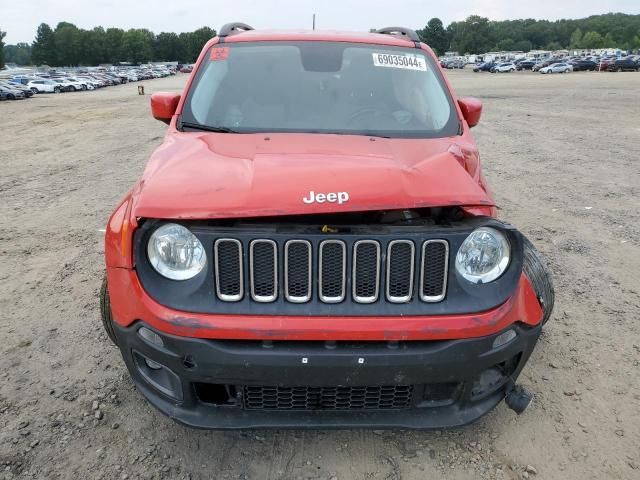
561 153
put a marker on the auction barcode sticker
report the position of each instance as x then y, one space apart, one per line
407 61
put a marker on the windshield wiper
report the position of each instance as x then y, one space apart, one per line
207 128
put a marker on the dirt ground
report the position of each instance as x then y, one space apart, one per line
562 154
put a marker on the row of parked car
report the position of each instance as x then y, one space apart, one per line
564 65
19 87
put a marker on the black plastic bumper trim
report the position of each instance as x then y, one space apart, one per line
251 363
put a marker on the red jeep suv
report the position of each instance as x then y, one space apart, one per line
314 244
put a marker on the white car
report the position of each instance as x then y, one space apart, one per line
90 81
42 85
84 84
505 67
557 68
67 85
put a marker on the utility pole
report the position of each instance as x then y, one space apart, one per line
314 21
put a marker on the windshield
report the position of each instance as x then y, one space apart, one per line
320 87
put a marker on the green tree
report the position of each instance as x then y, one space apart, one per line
167 46
43 49
196 41
93 47
435 35
473 35
113 45
506 45
137 45
553 46
576 39
19 54
592 40
68 41
522 46
2 35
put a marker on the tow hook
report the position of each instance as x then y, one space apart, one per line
518 399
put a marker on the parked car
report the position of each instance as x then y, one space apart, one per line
557 68
629 63
23 79
584 65
90 81
186 69
505 67
12 93
606 63
451 64
17 86
86 85
484 67
346 301
545 63
525 65
66 85
43 85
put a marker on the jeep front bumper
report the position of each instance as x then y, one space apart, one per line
224 384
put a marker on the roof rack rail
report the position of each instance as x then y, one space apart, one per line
402 31
233 28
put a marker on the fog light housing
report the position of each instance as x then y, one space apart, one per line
504 338
158 376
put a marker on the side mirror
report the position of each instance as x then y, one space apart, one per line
471 110
163 105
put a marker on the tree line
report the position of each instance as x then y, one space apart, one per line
70 46
67 45
478 34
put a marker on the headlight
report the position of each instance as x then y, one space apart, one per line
483 256
175 252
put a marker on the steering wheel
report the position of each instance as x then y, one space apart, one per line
368 111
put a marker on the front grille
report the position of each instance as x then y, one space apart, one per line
327 398
364 271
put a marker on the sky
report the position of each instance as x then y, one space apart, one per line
20 19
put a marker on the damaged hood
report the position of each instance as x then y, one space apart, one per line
211 175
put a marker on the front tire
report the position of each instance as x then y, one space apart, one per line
105 312
540 277
56 90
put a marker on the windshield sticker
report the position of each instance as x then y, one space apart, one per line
219 53
408 61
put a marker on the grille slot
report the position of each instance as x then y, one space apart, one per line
263 265
332 263
327 398
433 270
229 269
297 271
400 269
366 271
